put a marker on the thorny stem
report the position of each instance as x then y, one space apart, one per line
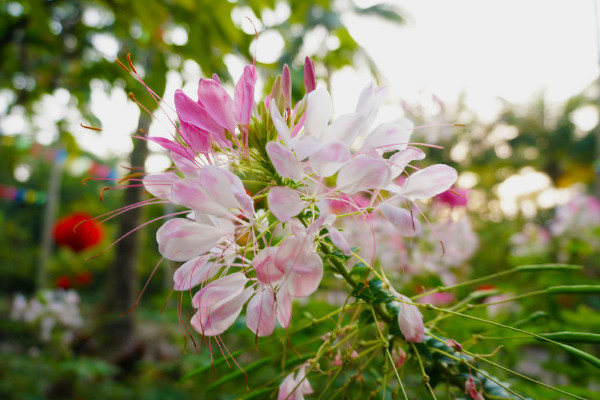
479 371
340 268
466 283
521 375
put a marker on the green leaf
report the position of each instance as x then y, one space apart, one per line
572 337
548 267
580 354
365 318
384 11
238 372
574 289
262 394
360 272
206 367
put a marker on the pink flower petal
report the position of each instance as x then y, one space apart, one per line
265 267
188 166
284 203
389 136
401 159
284 161
171 145
194 114
429 181
339 240
243 97
189 192
303 267
306 275
159 185
286 389
404 222
217 102
286 83
294 388
329 159
180 239
310 82
200 141
214 321
283 300
304 386
225 188
194 272
299 125
363 173
304 146
260 312
220 290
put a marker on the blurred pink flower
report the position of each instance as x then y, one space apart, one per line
454 197
437 299
288 389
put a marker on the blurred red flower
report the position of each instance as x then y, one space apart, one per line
77 231
63 282
84 278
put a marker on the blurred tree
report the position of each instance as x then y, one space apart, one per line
48 45
558 140
545 138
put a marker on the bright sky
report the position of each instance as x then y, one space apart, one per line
512 49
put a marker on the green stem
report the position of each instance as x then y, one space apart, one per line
388 354
425 376
340 268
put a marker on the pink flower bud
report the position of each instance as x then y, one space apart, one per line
287 88
398 356
410 321
337 361
310 82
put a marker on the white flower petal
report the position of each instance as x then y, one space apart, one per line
180 239
280 124
284 203
389 136
344 129
428 182
363 173
402 220
159 185
285 162
318 112
329 159
401 159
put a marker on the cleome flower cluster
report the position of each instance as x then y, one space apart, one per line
261 183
